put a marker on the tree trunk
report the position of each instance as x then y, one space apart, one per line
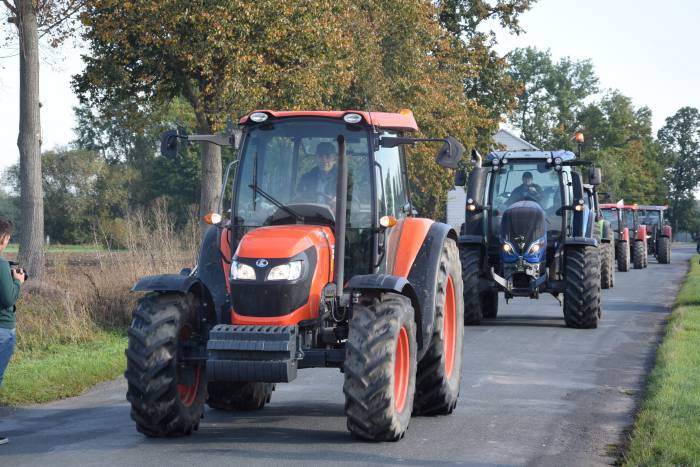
211 178
31 248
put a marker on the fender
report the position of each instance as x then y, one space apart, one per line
423 276
667 232
211 273
181 283
583 241
389 283
642 233
626 234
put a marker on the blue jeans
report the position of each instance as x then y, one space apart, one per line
8 337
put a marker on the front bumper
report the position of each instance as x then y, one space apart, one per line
522 279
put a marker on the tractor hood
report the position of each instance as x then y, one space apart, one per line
522 227
280 272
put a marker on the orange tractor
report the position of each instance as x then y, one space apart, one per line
322 263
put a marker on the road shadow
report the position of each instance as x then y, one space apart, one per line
525 321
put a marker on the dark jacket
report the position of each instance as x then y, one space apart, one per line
9 293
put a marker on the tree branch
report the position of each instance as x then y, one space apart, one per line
10 7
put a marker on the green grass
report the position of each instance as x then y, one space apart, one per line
667 430
62 370
14 247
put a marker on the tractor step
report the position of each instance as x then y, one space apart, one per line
252 353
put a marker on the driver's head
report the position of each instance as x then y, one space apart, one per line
527 178
327 156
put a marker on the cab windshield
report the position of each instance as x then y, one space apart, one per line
293 163
650 217
610 215
527 181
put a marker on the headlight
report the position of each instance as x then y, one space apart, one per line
535 248
507 248
240 271
285 272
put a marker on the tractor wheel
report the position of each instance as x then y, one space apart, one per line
380 368
646 254
225 395
638 254
664 250
470 258
439 371
489 304
623 256
582 287
166 395
606 266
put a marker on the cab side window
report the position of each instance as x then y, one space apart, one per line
391 187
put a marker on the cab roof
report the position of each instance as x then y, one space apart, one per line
634 207
391 121
652 208
565 155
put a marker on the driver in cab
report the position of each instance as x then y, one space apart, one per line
526 191
319 184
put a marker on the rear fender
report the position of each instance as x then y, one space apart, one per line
423 275
642 233
667 232
388 283
626 234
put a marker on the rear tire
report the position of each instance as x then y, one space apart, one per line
664 250
623 256
380 368
646 255
238 396
582 287
470 257
162 401
606 266
439 371
638 253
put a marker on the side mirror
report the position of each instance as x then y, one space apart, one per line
595 176
168 144
450 153
460 177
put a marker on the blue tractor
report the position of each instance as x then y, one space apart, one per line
528 230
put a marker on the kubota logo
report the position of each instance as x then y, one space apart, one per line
261 263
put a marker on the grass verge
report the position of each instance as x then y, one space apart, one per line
62 370
667 430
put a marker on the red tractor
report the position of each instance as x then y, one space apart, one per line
614 214
322 263
638 235
659 233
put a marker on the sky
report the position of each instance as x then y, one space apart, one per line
645 48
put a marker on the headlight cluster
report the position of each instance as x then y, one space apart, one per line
284 272
535 247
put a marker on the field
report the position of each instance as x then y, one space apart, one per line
71 325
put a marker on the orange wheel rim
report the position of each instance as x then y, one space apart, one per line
402 367
189 393
449 321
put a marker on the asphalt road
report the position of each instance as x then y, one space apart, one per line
533 393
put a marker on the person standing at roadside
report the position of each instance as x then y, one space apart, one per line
10 281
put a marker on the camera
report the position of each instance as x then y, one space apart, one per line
15 266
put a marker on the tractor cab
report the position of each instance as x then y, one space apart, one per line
637 235
659 233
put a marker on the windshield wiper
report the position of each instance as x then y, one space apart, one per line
269 197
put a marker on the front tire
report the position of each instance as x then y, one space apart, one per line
623 256
606 266
664 250
380 368
470 257
582 287
638 254
166 396
238 396
439 371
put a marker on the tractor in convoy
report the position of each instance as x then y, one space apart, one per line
637 234
659 233
528 230
321 263
617 217
604 234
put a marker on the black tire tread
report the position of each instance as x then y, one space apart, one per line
606 265
436 393
664 247
582 289
638 254
470 257
369 367
623 256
